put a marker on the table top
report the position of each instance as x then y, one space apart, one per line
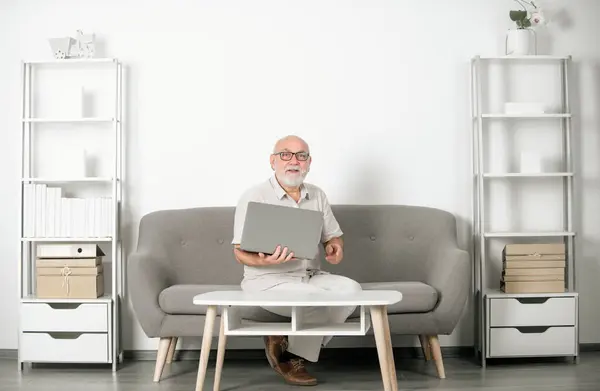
298 299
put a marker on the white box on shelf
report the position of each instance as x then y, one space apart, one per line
87 103
68 164
531 162
524 108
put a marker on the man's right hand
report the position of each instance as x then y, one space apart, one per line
260 259
279 256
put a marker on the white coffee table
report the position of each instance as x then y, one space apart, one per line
375 302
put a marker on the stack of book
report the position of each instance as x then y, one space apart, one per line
69 271
533 268
48 213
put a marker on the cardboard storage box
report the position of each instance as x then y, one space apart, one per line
68 281
533 268
72 270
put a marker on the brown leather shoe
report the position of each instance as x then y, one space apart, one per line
294 372
275 345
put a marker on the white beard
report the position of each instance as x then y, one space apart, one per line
293 180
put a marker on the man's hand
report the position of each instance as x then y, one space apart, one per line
277 257
334 252
260 259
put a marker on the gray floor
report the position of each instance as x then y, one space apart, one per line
347 374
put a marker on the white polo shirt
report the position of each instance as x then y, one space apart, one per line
311 197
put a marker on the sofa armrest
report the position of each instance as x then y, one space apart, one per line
449 272
146 279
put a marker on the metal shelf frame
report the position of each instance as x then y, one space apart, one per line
481 237
26 277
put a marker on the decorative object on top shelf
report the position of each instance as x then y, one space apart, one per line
84 46
61 47
523 39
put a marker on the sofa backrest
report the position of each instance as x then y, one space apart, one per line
382 242
390 242
196 242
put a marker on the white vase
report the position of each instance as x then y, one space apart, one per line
521 42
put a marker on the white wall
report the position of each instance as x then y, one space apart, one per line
379 88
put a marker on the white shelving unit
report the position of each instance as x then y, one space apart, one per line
71 330
524 324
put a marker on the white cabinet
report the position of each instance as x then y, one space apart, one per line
65 332
532 325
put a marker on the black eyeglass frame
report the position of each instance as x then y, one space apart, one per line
292 154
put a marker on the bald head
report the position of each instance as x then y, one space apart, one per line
291 143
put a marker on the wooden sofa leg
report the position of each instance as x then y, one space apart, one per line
161 357
437 355
172 346
425 346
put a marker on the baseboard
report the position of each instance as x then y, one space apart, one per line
8 354
589 347
255 354
328 353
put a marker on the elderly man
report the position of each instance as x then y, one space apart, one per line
280 271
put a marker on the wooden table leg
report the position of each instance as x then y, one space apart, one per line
382 346
390 351
220 354
211 314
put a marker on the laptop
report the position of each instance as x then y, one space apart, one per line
267 226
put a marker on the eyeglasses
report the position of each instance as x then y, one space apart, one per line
287 156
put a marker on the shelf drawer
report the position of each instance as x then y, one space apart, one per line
76 317
64 347
532 341
542 311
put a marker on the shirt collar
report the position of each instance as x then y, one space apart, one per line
280 192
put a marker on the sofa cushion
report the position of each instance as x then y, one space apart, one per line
178 300
416 296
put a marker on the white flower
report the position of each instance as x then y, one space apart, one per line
537 18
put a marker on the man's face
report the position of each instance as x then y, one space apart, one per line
291 162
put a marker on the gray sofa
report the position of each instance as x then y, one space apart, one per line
413 249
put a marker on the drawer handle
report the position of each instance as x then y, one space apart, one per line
532 329
532 300
64 306
65 335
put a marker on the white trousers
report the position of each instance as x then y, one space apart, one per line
309 347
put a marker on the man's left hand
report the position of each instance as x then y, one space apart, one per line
334 253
